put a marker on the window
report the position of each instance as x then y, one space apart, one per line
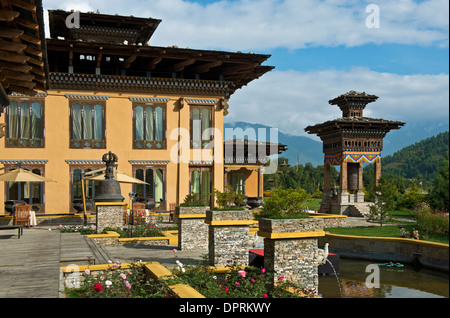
25 124
87 122
149 124
200 183
237 181
29 192
201 122
90 186
155 189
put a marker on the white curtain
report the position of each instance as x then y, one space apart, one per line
98 122
159 186
206 136
76 121
25 120
195 182
159 124
196 127
139 122
36 121
13 120
87 121
149 123
206 186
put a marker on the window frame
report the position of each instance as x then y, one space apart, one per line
147 143
201 169
92 142
25 142
154 168
29 167
191 126
83 168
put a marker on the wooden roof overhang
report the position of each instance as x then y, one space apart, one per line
353 124
23 59
239 68
94 26
240 151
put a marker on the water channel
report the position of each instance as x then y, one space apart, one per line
402 282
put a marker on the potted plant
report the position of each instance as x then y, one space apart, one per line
191 205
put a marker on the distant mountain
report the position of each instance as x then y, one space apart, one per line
422 158
410 136
303 148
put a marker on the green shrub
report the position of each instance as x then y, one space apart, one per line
285 204
228 199
192 200
431 221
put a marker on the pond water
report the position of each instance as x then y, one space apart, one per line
405 282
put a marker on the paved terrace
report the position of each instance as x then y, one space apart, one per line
29 266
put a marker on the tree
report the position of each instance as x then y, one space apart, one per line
439 196
379 210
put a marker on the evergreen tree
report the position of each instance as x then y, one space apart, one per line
439 194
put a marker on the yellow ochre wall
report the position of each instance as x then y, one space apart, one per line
119 138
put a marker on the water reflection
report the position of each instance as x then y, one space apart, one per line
405 282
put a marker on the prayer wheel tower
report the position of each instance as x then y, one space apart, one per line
349 142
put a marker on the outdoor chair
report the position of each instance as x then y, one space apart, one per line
138 208
172 211
22 215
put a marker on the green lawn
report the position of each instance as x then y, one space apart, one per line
388 230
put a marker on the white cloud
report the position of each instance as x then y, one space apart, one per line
293 100
250 25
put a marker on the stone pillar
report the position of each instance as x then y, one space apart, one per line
192 230
290 247
228 237
376 172
343 191
109 214
360 193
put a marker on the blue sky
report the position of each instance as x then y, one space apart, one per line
320 49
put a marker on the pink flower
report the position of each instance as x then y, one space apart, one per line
127 284
108 283
237 283
252 280
263 270
98 287
102 277
242 273
87 271
226 289
281 278
115 265
174 250
265 295
123 276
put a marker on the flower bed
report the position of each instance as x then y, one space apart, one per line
431 221
117 282
236 282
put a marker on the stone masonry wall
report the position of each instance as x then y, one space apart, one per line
293 259
109 216
228 245
192 234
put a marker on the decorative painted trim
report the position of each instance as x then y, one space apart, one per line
148 162
149 99
201 101
289 235
38 95
201 162
84 162
87 97
352 157
24 161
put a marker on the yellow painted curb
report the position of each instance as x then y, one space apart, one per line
286 235
230 222
191 216
389 239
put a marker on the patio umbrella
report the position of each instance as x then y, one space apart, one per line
22 175
121 177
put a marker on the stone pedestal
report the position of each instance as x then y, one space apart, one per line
109 214
228 237
192 230
289 249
